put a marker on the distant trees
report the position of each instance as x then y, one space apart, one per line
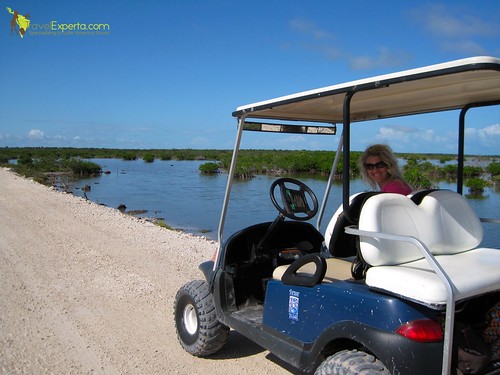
418 170
40 167
81 167
209 168
494 169
416 174
476 185
148 158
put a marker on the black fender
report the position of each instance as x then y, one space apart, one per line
207 268
396 352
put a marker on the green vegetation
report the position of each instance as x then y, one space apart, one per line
252 162
129 156
209 168
494 169
419 171
14 153
81 167
161 223
45 166
148 158
416 174
476 185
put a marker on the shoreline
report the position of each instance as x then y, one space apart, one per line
85 288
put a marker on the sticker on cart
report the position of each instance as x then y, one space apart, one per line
293 305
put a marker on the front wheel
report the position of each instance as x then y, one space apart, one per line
351 362
198 329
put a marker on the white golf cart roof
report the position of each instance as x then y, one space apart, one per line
439 87
459 85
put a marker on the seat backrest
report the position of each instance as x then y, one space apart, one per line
341 244
443 221
417 196
394 214
460 228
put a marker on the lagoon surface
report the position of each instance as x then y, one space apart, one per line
186 199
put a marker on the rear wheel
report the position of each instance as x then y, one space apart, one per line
351 362
198 330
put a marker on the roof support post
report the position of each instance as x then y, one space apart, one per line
461 137
230 177
461 150
330 182
346 133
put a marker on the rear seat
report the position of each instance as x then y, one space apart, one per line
446 224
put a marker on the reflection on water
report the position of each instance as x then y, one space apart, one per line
186 199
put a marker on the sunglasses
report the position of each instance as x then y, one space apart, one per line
378 165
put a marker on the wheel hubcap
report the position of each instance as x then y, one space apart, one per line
190 319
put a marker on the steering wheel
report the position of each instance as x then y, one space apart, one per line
295 203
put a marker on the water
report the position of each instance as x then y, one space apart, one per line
186 199
172 190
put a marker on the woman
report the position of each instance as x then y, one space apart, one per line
380 169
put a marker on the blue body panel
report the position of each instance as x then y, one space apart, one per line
305 313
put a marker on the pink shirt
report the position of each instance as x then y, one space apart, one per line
397 186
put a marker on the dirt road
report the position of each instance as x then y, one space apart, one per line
85 289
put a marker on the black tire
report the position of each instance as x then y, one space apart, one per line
198 330
352 362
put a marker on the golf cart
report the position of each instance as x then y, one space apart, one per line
393 277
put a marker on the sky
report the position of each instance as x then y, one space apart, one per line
168 74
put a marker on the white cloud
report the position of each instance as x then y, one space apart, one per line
400 133
315 39
36 134
489 134
483 141
310 28
413 139
326 43
491 131
385 58
455 29
391 133
450 23
466 47
406 139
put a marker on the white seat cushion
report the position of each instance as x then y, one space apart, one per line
456 226
394 214
472 272
446 224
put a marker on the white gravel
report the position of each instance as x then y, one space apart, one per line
85 289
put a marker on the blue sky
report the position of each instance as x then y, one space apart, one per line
168 74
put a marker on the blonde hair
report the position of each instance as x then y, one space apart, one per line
386 155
